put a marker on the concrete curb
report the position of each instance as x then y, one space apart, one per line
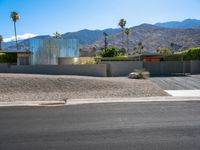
32 103
131 100
70 102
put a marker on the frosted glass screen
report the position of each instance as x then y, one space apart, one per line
47 51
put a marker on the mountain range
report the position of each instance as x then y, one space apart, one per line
153 38
183 35
185 24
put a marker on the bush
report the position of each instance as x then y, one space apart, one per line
121 56
110 52
139 74
98 57
172 58
165 51
142 73
191 54
8 57
89 62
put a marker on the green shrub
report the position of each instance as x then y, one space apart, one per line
98 57
173 58
142 73
121 56
165 51
191 54
8 57
89 62
110 52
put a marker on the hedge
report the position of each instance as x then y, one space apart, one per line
8 57
191 54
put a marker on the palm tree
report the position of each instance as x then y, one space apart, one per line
57 35
15 16
172 45
122 24
141 47
127 32
105 40
1 40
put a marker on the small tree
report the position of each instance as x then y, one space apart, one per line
164 51
110 52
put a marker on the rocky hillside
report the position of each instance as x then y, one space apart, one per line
154 37
185 24
87 37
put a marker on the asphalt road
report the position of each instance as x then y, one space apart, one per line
119 126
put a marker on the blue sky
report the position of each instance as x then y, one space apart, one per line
48 16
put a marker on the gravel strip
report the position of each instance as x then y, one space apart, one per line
23 87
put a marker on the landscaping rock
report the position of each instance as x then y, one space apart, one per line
134 75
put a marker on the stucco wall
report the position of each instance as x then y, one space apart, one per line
122 68
195 67
110 68
3 68
164 68
82 70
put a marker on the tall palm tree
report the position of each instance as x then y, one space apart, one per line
141 47
122 24
1 40
15 16
105 40
127 32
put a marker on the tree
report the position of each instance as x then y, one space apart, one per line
141 47
164 51
172 45
110 52
127 32
122 24
15 16
105 39
57 35
1 40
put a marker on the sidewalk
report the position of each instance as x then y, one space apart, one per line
184 93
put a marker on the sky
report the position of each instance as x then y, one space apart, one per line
45 17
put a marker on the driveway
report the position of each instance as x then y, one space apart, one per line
180 85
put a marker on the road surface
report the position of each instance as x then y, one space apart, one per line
117 126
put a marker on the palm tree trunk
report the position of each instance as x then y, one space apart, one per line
0 46
15 35
123 39
127 43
